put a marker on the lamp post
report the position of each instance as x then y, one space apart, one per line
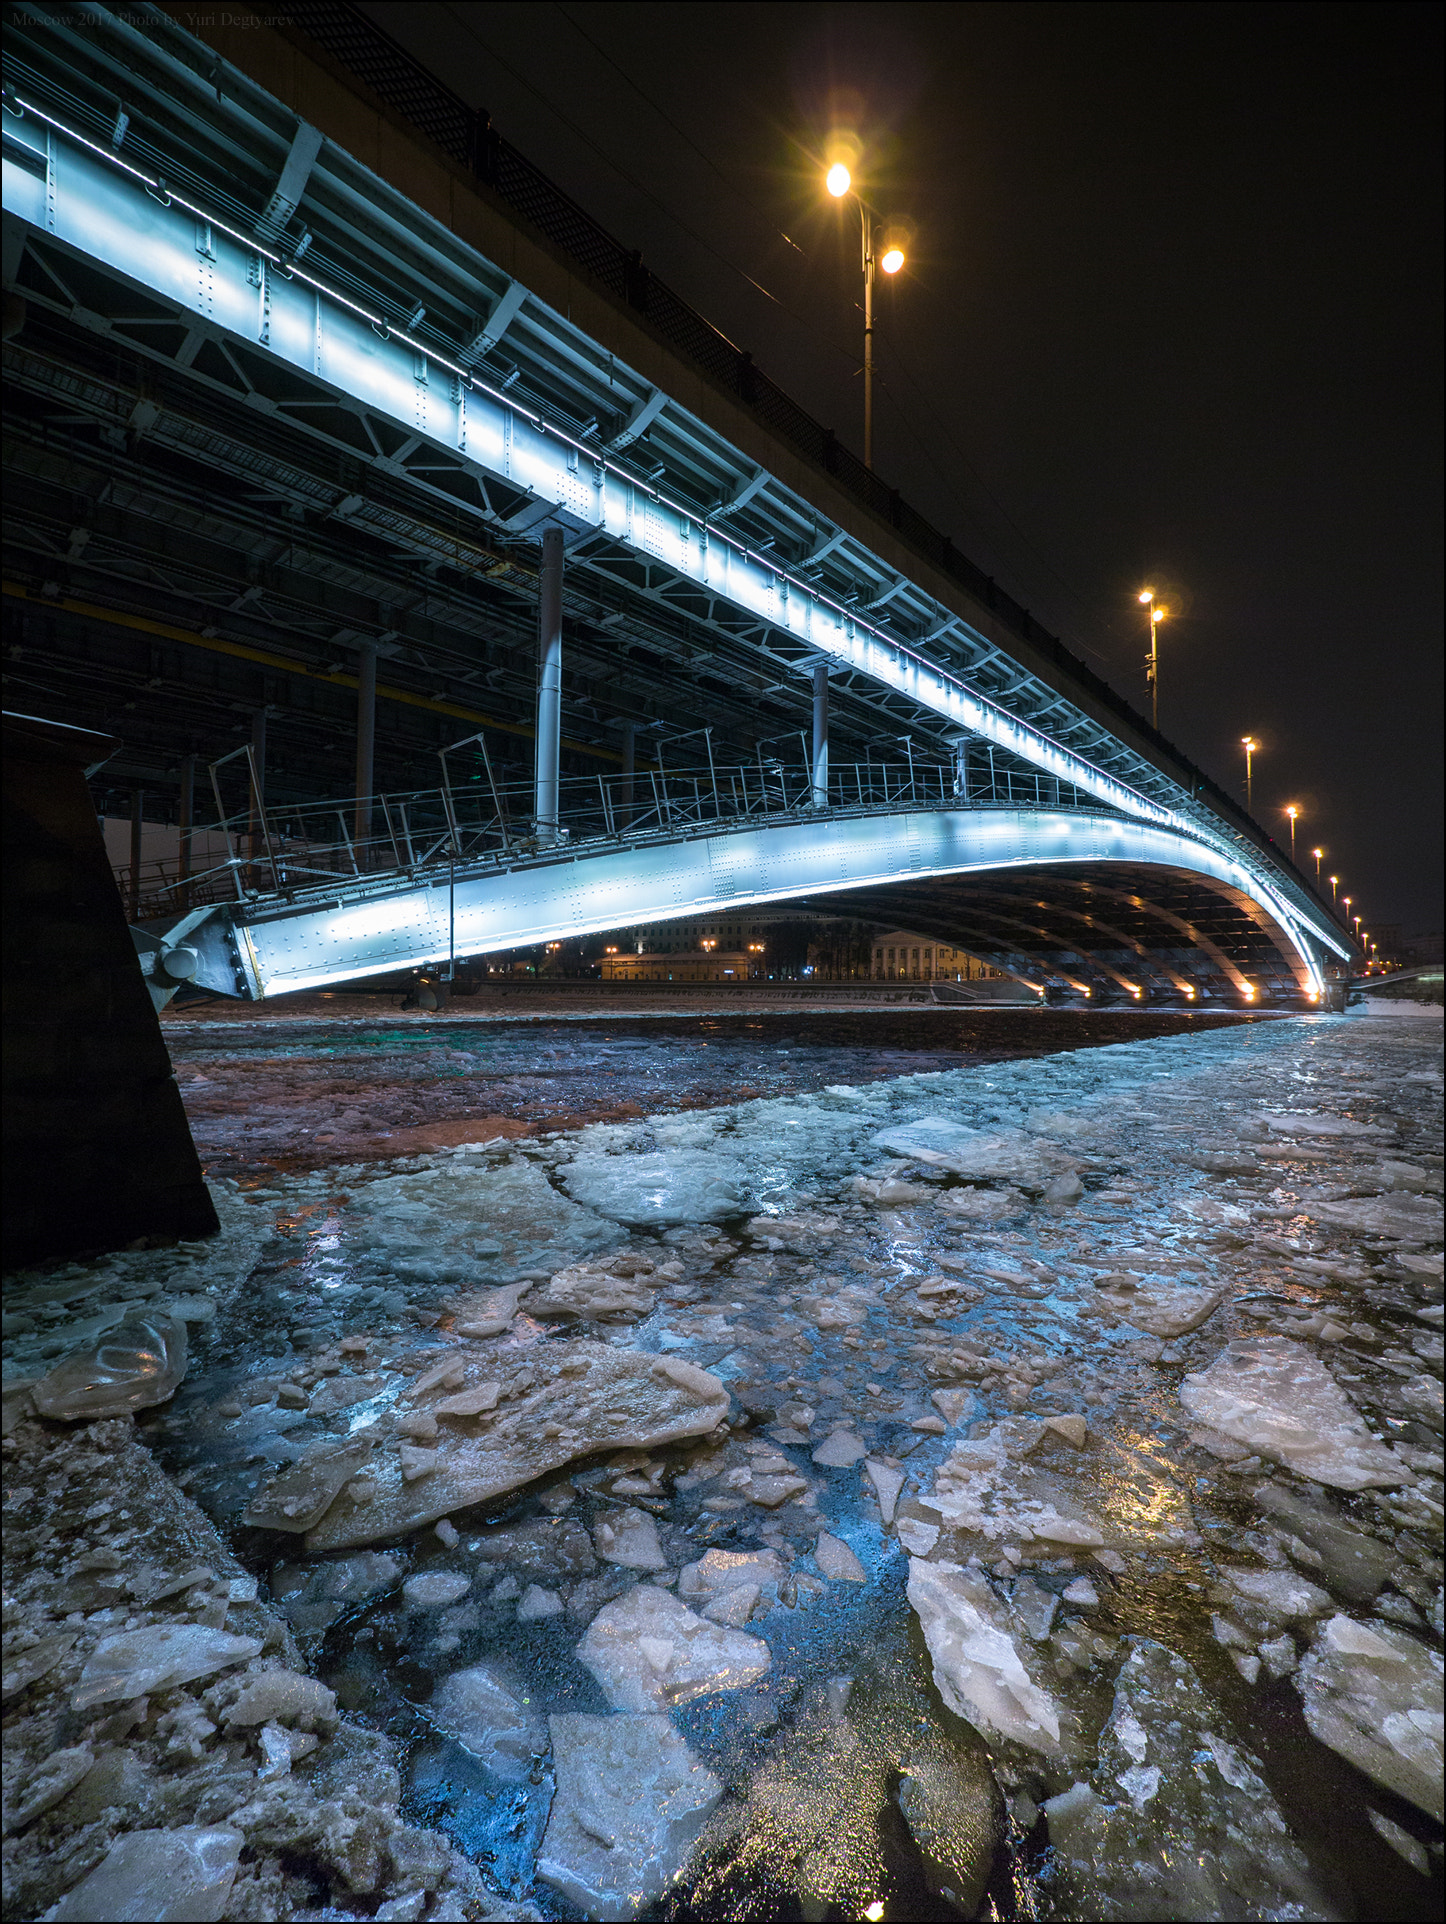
1318 853
1249 744
1155 616
1334 881
1294 813
839 181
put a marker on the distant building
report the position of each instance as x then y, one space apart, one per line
902 956
682 965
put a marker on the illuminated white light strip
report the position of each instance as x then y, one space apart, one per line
807 614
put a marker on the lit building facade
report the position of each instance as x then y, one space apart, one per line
903 956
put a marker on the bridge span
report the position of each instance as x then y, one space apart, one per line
324 398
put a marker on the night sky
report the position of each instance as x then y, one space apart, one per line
1172 315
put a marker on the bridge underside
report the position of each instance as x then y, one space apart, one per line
1111 931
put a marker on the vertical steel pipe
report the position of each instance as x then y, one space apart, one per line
185 830
133 907
625 809
549 687
820 734
366 737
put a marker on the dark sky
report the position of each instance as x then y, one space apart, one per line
1172 314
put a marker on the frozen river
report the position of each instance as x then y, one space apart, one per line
939 1481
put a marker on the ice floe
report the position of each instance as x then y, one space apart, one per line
978 1668
1177 1820
631 1800
1374 1693
649 1651
1275 1397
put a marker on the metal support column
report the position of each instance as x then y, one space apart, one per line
185 829
625 810
258 793
366 736
133 906
549 686
820 734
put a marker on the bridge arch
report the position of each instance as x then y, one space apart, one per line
835 858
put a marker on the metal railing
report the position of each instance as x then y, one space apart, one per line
469 819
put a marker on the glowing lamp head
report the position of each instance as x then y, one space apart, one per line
1293 812
892 260
1158 614
1248 993
1147 594
838 180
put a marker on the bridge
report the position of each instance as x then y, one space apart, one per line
324 398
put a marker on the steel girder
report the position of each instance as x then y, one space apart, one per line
373 927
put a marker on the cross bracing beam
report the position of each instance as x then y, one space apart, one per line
373 927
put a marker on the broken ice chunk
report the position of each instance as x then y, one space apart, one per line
576 1397
300 1497
1410 1218
1276 1596
977 1666
1162 1309
161 1656
538 1603
674 1186
1374 1694
435 1589
630 1538
836 1452
630 1803
1001 1155
887 1485
720 1571
489 1717
136 1364
703 1656
283 1694
157 1874
1276 1397
837 1560
1177 1821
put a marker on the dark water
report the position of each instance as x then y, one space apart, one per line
289 1094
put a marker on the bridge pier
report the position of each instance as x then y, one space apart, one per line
549 686
820 734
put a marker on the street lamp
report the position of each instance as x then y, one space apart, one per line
839 181
1249 744
1152 661
1334 881
1317 853
1294 813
